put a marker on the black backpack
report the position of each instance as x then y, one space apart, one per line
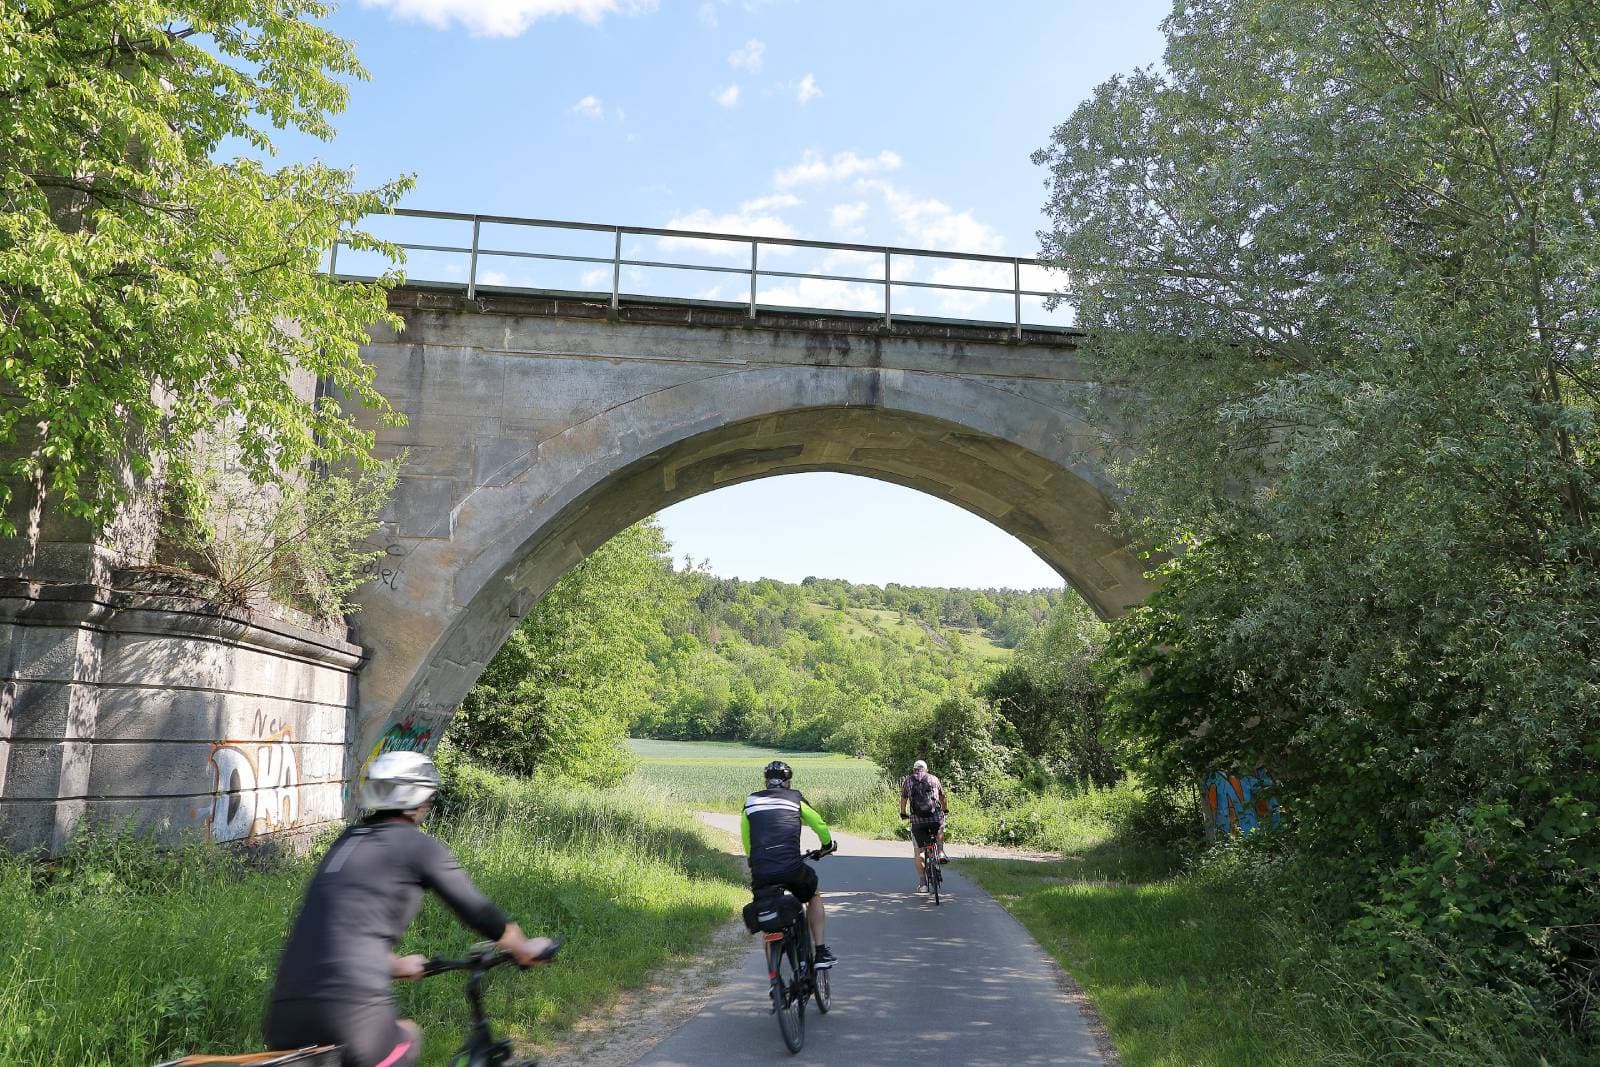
923 799
773 911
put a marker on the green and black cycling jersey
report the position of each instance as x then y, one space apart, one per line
770 827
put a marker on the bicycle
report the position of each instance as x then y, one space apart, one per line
932 870
480 1049
791 968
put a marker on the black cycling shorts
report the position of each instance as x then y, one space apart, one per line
801 881
368 1035
924 834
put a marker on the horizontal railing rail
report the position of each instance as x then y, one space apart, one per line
754 272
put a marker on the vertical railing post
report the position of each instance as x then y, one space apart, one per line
1016 288
333 258
472 265
616 272
888 317
754 244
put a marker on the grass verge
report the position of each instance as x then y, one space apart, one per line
123 954
1178 968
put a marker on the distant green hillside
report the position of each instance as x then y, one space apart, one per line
628 643
816 666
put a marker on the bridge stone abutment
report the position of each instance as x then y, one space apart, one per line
540 426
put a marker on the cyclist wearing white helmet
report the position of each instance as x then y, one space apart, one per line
928 803
334 978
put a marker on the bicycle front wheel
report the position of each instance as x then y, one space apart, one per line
821 990
788 995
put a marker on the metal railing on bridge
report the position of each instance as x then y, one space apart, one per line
850 278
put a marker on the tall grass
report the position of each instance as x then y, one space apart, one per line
124 954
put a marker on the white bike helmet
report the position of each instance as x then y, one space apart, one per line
399 781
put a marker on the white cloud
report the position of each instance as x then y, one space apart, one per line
494 277
909 218
819 293
755 222
847 218
589 107
739 223
770 202
807 89
841 165
727 97
598 278
748 56
506 18
708 15
930 223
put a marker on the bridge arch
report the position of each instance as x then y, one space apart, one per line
528 452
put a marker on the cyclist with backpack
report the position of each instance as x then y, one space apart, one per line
928 802
770 828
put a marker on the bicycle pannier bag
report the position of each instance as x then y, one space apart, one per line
772 911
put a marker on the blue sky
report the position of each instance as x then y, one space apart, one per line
874 122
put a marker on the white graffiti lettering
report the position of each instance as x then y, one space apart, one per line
257 788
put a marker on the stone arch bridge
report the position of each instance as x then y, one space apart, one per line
538 427
539 424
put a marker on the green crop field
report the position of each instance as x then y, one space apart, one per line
718 775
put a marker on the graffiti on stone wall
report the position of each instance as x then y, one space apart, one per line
272 783
384 569
415 733
1239 803
256 789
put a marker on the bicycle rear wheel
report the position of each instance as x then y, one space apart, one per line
788 995
935 879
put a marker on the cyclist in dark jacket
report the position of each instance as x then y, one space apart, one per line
334 978
770 827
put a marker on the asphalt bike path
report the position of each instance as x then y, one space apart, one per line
958 983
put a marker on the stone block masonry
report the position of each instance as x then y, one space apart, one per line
134 704
539 425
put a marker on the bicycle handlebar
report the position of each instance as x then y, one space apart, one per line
823 853
484 957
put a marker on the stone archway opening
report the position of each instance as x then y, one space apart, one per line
1055 510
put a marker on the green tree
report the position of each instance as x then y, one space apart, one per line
1343 256
1051 698
562 693
957 737
149 292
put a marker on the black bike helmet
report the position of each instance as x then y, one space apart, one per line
778 773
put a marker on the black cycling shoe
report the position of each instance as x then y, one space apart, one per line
825 958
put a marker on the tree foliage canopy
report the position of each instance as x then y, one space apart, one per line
149 291
1348 252
562 692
